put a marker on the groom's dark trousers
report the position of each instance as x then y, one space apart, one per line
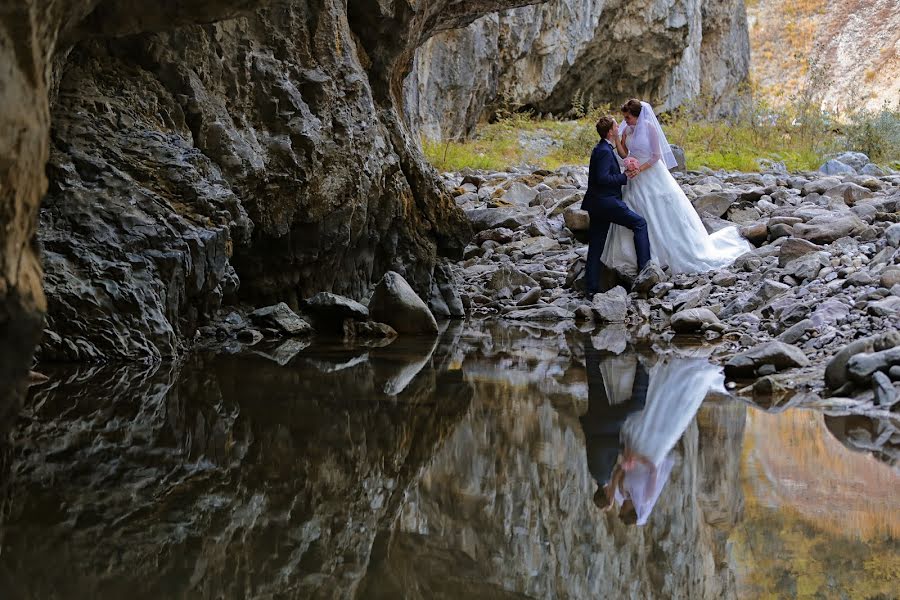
603 201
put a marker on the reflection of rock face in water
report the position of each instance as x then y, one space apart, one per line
233 478
507 506
236 477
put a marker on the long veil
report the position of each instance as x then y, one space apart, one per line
648 131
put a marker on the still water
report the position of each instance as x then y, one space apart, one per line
462 467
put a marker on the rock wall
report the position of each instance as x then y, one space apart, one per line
666 51
197 145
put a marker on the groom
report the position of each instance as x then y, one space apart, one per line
603 202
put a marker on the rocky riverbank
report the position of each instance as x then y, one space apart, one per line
822 283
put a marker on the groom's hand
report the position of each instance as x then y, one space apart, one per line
631 173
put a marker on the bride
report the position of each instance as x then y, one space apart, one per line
677 236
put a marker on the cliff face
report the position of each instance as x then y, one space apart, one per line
32 33
204 149
666 51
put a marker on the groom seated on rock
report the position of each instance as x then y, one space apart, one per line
603 202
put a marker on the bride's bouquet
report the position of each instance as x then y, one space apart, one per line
631 163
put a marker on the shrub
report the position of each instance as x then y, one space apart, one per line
876 133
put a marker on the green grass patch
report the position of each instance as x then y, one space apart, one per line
799 137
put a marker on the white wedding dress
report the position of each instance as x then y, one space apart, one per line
676 390
678 238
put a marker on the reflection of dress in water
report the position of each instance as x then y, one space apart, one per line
677 388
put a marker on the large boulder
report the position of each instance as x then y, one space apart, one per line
281 317
611 306
328 305
715 203
778 354
693 319
395 303
793 248
837 167
828 228
836 372
511 218
854 160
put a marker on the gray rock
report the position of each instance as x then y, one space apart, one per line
885 308
651 275
325 306
873 170
771 289
716 203
779 230
560 207
519 194
691 298
892 235
511 218
509 277
755 233
782 356
724 279
611 306
577 219
824 230
796 331
501 235
395 303
445 300
836 167
369 330
680 160
836 370
894 373
743 216
542 313
850 193
885 393
531 297
281 317
692 319
890 277
861 367
820 186
854 160
829 312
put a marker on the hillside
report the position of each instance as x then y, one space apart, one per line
846 53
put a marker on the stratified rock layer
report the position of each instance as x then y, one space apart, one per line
552 55
200 146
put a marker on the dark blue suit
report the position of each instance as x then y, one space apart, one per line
603 201
605 417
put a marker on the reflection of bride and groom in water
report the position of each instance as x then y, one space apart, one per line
639 405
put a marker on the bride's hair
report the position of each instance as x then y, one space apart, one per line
632 107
